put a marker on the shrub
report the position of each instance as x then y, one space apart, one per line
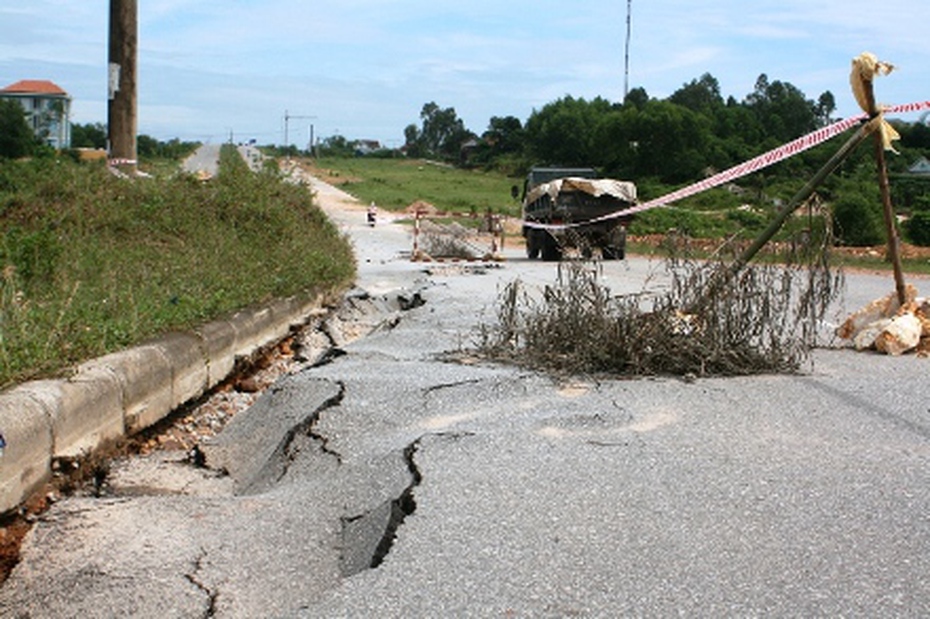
16 137
857 220
708 322
918 228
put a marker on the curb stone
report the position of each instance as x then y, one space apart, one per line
122 393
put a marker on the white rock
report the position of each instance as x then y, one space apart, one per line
902 335
865 337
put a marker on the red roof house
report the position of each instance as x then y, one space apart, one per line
47 107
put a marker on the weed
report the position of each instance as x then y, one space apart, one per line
709 322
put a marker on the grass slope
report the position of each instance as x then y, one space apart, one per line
92 263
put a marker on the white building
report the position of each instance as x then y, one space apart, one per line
48 109
920 167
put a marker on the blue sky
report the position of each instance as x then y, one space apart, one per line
364 68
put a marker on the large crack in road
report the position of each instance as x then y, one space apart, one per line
367 538
254 454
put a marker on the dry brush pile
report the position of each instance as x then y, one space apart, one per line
713 320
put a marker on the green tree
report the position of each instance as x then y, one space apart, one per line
669 141
782 109
637 97
826 105
740 131
857 217
412 142
918 228
505 135
915 135
336 146
89 135
701 95
443 132
148 147
563 132
616 140
16 137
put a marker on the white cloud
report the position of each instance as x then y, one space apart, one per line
369 65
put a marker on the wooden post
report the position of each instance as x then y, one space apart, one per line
894 250
121 109
724 275
891 229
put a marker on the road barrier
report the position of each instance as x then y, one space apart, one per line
436 241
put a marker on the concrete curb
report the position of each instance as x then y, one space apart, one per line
122 393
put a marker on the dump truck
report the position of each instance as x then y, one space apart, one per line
575 198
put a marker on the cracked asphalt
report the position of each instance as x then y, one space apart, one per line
392 482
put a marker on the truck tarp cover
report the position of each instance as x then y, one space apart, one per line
622 190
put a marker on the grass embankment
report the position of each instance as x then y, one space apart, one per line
92 263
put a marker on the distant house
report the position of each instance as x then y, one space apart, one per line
921 167
48 109
366 147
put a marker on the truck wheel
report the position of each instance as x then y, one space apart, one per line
616 249
551 252
532 244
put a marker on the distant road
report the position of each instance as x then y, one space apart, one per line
206 159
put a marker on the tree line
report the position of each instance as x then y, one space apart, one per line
17 138
695 132
658 143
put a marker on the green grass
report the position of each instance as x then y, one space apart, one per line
394 184
92 263
916 266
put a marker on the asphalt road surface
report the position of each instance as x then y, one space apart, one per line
393 482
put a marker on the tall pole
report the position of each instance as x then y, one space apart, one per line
287 118
722 277
626 58
121 109
864 69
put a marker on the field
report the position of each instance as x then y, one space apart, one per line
395 184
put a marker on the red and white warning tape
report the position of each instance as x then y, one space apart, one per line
744 169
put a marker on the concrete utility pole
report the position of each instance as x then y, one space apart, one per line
626 53
121 109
